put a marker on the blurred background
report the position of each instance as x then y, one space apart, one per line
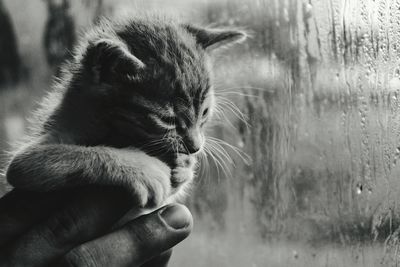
318 84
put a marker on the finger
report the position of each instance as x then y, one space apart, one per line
137 242
90 213
19 210
160 260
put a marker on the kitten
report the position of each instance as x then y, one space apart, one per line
129 110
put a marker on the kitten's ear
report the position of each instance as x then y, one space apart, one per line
211 39
108 60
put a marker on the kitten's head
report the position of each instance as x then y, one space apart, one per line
156 79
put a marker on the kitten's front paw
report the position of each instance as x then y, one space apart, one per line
184 170
152 186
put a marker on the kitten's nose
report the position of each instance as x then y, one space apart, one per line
193 141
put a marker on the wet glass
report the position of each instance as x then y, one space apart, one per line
309 175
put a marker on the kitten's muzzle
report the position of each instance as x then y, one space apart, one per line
192 142
190 150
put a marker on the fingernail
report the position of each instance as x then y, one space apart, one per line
176 216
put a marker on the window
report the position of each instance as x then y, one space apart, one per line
311 175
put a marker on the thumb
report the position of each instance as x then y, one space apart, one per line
137 241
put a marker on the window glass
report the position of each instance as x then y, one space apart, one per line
310 175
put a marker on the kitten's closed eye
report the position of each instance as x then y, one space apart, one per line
164 123
205 112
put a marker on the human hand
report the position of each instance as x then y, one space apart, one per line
64 229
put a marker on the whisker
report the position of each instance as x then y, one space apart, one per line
204 165
226 93
222 117
215 161
218 147
218 89
234 107
245 157
235 111
218 159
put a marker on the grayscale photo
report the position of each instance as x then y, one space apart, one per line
201 133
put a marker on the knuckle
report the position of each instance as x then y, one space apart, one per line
139 234
80 256
146 237
64 226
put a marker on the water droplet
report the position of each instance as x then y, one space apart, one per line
314 254
240 144
308 9
295 254
359 189
286 14
394 84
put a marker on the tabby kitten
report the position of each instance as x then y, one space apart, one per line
129 110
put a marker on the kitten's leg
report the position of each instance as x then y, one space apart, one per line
50 167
